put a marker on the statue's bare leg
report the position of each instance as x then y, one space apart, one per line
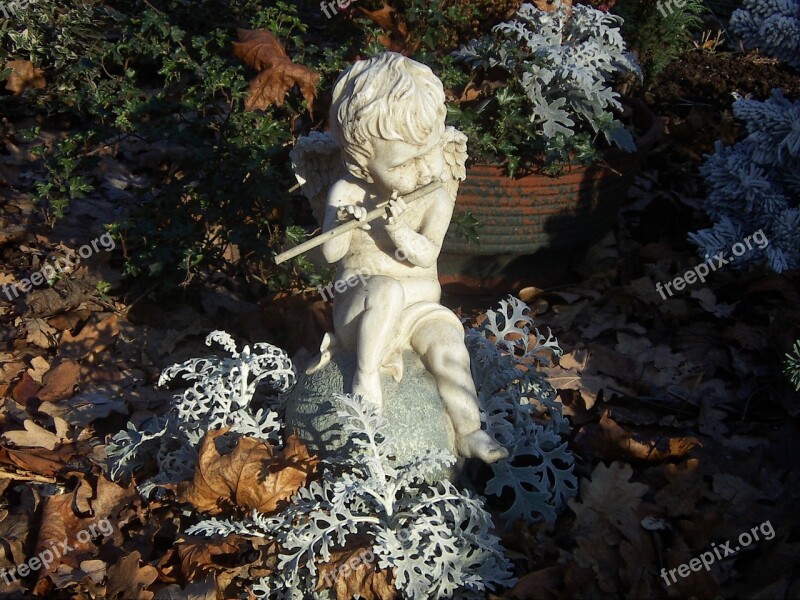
443 351
383 304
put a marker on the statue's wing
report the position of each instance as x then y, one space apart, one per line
455 157
317 164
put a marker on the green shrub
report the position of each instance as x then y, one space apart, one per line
659 31
161 74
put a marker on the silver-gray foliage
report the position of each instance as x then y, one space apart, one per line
521 410
436 537
566 60
220 394
772 26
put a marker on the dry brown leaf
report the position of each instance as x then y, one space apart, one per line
201 557
62 523
608 527
354 572
96 336
60 381
250 477
33 436
278 73
11 369
24 76
397 38
26 389
39 366
686 487
127 580
542 584
615 442
40 333
37 460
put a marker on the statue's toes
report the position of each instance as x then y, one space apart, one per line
480 444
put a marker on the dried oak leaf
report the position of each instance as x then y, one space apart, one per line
36 436
252 476
354 572
60 381
95 337
397 37
126 579
607 526
685 488
544 584
63 519
39 366
201 557
40 333
615 442
24 76
26 389
37 461
278 74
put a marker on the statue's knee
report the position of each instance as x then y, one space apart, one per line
386 293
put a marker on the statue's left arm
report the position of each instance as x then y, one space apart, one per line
422 247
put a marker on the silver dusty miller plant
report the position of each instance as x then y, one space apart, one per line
565 62
521 409
434 536
220 396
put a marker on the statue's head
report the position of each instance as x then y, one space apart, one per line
388 97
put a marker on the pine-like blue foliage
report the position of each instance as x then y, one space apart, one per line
772 26
755 185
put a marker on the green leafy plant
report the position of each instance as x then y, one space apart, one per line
64 181
792 365
542 88
158 80
659 31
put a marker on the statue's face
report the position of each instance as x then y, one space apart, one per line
405 167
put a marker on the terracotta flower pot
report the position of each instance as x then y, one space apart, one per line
536 213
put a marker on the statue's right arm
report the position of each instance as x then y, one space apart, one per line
342 192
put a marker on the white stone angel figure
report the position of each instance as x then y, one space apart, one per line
388 137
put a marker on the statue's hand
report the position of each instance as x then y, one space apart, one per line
348 211
396 208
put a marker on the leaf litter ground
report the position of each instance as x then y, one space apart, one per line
684 425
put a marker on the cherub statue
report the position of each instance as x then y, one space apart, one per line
388 138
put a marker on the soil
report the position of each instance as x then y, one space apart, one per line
712 79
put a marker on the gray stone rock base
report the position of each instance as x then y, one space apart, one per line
413 409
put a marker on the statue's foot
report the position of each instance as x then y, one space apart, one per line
368 386
480 444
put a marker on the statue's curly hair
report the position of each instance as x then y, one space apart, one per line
387 96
